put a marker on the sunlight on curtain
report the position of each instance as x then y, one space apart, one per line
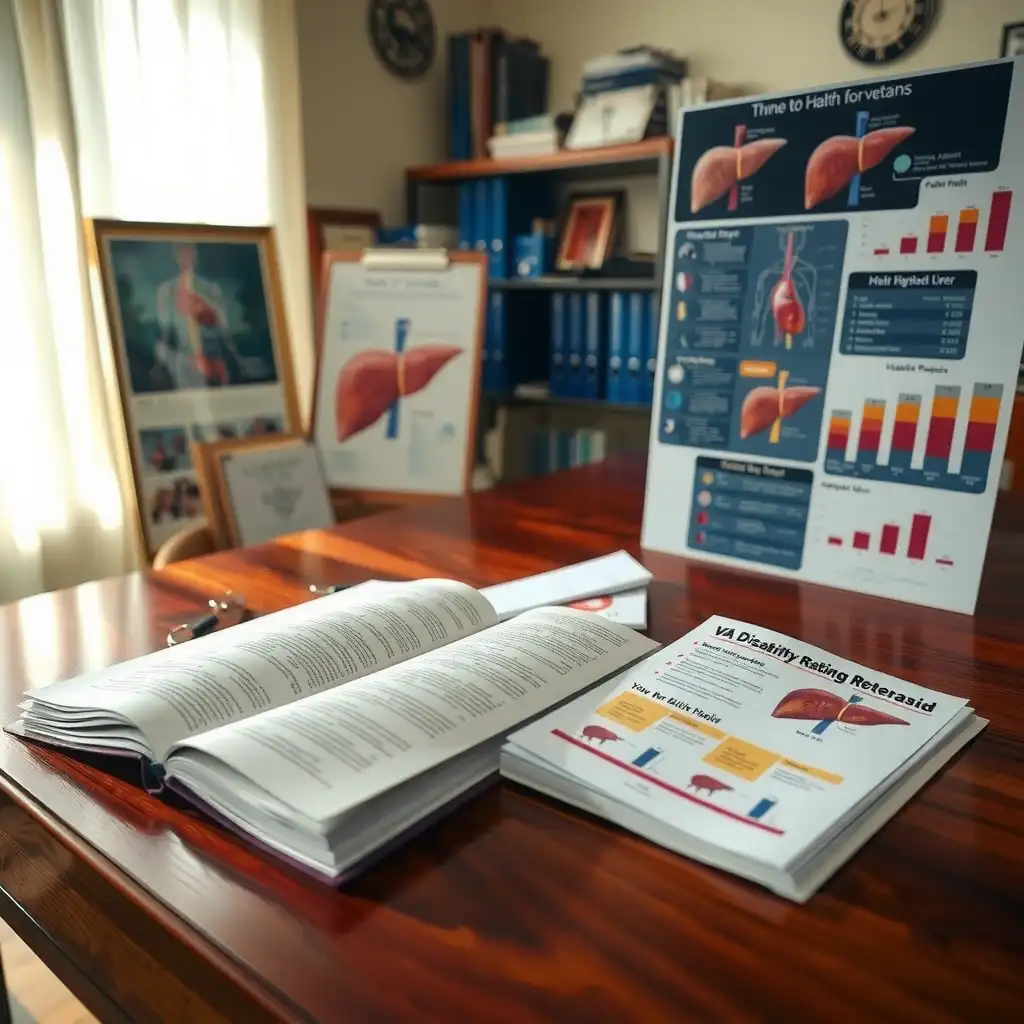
61 513
169 103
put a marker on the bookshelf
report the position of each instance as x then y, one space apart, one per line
624 424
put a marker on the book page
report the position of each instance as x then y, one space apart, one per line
742 737
268 662
327 754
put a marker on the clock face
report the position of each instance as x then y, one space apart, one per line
879 31
403 37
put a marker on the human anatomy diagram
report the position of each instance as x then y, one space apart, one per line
721 168
785 296
371 384
839 159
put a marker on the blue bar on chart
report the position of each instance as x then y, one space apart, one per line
762 807
904 431
646 757
401 336
870 430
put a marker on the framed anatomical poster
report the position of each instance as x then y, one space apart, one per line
398 371
201 350
839 340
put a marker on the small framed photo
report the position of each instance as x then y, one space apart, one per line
588 230
1013 39
259 488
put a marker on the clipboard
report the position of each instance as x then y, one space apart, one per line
400 336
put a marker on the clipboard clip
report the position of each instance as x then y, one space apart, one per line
405 259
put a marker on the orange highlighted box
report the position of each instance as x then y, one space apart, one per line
984 409
814 773
636 713
699 726
757 368
945 406
740 758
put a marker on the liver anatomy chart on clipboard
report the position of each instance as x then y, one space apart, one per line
840 337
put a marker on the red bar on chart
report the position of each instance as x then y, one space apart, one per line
998 219
890 538
861 540
966 229
881 252
836 542
919 527
941 425
937 228
870 429
908 244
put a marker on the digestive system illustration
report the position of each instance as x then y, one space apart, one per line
767 406
373 382
826 707
842 158
719 170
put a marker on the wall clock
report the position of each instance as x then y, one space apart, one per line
879 31
403 36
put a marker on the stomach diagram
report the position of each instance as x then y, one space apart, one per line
371 383
721 168
836 162
825 706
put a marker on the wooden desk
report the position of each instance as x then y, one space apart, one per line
514 908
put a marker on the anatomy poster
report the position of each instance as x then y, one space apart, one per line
398 376
840 335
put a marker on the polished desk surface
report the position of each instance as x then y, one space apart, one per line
514 908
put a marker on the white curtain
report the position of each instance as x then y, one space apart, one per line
183 110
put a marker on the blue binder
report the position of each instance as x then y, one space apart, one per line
594 347
482 214
636 346
497 257
576 343
496 358
559 348
615 370
467 229
651 356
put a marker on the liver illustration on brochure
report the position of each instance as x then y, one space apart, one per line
841 304
372 382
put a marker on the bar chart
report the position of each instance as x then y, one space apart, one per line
895 540
959 233
902 439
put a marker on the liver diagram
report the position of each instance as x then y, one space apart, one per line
835 162
372 382
825 706
768 405
720 168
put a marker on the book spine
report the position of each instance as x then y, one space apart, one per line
593 368
624 80
499 215
502 104
616 347
653 326
481 214
499 370
635 350
559 355
576 343
467 233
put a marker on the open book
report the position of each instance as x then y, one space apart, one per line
254 725
747 750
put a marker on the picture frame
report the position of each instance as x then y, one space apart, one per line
370 464
1013 39
338 229
200 347
259 488
588 230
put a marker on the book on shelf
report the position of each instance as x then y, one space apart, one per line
327 732
747 750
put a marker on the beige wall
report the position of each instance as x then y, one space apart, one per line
769 45
362 125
